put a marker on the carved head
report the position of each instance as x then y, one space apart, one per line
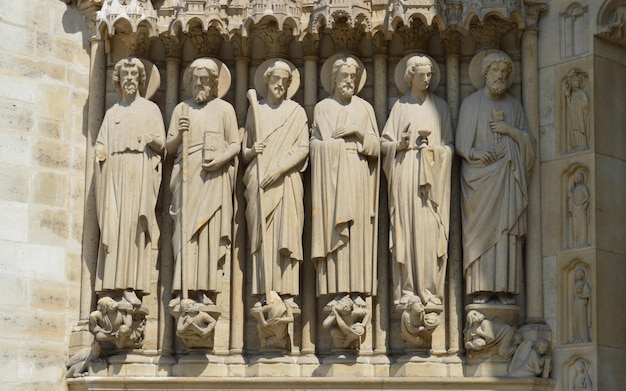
202 78
579 274
128 75
344 305
107 305
496 69
542 345
277 79
419 72
188 306
414 304
343 77
474 318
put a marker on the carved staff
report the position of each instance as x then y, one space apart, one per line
254 105
183 193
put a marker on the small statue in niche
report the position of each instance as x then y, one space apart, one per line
484 337
498 152
416 324
128 175
577 110
273 317
195 322
203 137
347 322
275 146
618 22
581 310
578 209
530 359
582 379
118 322
418 145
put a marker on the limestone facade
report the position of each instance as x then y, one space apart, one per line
56 85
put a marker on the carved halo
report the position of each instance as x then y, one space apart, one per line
259 82
327 70
153 79
398 75
223 82
476 68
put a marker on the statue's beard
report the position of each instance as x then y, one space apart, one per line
130 88
202 96
496 87
346 89
279 92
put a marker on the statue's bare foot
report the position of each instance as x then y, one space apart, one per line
434 300
132 298
482 298
206 300
506 298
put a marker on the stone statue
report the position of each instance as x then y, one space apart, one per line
128 175
417 141
581 310
204 138
484 337
344 183
498 153
194 323
576 110
273 317
530 359
347 322
117 323
416 325
578 209
618 21
582 380
78 364
276 148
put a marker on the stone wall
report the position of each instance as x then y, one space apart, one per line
44 77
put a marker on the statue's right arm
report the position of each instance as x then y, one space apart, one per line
174 138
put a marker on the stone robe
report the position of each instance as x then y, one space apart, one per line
581 312
127 188
494 197
419 196
284 131
577 120
207 204
344 193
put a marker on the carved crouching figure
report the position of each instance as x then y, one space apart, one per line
417 325
530 359
486 338
273 317
195 322
117 322
347 322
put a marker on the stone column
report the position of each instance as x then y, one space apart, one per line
530 97
452 42
166 321
96 106
381 309
307 290
238 291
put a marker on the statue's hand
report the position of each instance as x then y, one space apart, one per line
486 156
500 127
346 131
403 144
148 138
258 148
213 165
271 178
101 155
183 124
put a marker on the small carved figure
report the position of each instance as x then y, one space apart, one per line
576 110
485 337
128 176
498 154
78 364
204 139
578 209
582 380
344 149
276 148
116 322
618 21
530 359
417 141
581 311
417 325
273 317
194 325
347 322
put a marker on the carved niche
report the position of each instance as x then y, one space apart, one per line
577 207
576 295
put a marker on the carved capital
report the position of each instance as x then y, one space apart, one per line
452 42
533 11
380 43
417 35
311 45
241 45
488 34
276 41
344 37
205 43
172 45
